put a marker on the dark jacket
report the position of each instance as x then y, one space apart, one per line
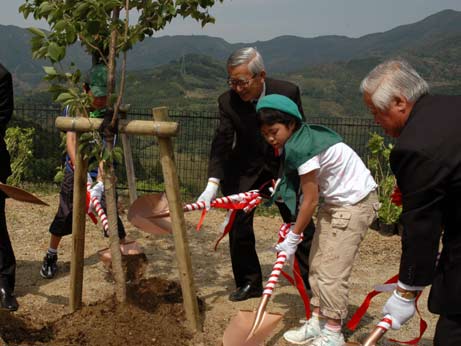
426 161
239 152
6 110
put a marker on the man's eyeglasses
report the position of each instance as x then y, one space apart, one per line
243 83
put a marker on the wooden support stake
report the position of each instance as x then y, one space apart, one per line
178 224
160 129
78 229
129 166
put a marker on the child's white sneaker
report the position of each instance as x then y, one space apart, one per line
329 338
310 330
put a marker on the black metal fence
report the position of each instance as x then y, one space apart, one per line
191 146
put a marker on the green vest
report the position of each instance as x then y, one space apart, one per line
307 142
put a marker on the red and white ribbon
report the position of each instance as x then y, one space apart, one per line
94 202
297 279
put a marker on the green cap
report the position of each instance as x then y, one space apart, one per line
97 80
281 103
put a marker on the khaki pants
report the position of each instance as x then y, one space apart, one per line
339 232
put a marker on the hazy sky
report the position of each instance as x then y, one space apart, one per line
252 20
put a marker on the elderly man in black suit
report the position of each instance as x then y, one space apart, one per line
7 259
240 160
426 161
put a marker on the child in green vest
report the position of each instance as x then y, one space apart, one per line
318 166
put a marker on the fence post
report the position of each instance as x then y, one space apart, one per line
78 228
178 224
129 166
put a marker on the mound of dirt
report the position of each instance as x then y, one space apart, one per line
153 315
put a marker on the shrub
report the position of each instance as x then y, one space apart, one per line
378 163
19 142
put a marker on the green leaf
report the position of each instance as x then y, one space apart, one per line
37 42
117 154
82 9
61 53
50 70
60 25
74 91
40 53
54 51
37 32
45 8
71 36
56 88
106 155
63 97
76 77
111 4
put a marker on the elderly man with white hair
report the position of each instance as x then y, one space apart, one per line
426 161
241 160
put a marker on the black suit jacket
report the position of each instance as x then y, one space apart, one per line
239 153
426 161
6 110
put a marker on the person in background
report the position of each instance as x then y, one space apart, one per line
240 161
7 259
319 166
95 86
426 161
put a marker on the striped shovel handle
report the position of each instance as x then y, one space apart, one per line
270 285
101 214
99 210
275 274
252 196
377 333
236 198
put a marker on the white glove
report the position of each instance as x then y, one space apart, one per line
97 190
399 309
209 193
290 244
89 180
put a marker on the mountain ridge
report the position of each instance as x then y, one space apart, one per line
282 54
188 72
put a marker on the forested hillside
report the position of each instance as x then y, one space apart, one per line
188 72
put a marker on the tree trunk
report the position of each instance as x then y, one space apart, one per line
114 241
109 182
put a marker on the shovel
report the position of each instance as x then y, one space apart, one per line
251 328
20 194
150 213
376 334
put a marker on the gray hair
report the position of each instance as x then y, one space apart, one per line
247 55
393 78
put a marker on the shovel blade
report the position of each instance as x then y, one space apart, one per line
238 331
20 194
145 211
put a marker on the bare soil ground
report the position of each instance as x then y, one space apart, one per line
154 315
